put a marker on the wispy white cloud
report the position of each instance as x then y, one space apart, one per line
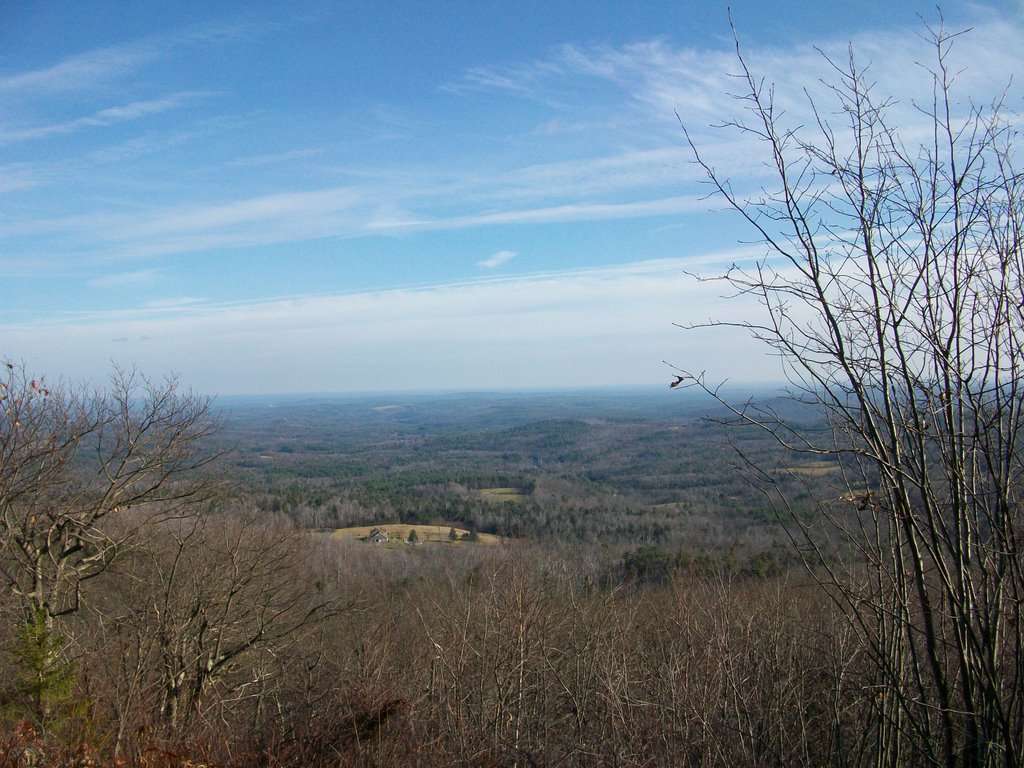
126 279
353 211
620 172
656 80
577 212
275 158
282 207
152 142
14 177
84 70
524 78
175 302
104 117
561 126
497 259
100 66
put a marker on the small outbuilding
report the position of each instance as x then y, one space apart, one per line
377 536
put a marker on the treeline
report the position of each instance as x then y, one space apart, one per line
322 508
544 508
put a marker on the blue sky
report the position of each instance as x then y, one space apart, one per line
337 197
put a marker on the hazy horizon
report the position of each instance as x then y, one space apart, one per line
659 388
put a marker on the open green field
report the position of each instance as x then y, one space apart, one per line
399 533
502 494
813 468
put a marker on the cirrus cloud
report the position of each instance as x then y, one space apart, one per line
497 259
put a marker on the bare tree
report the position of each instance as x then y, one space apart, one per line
80 472
221 589
891 291
70 459
205 621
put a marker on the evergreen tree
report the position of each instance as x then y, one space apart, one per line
44 683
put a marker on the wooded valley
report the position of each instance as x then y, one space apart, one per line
174 596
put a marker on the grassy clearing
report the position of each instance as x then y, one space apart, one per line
813 469
501 494
399 533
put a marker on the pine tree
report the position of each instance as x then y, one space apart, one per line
44 682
